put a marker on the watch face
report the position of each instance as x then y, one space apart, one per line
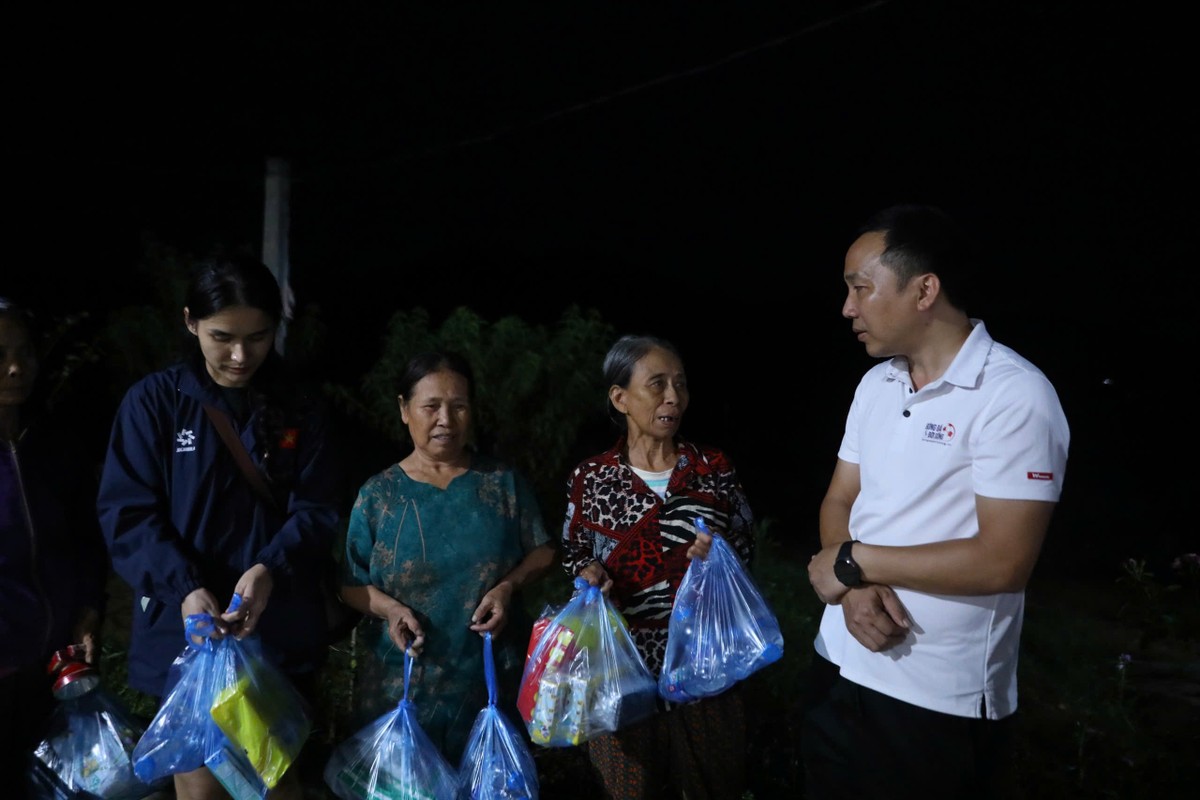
846 571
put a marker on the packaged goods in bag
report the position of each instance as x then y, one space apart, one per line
584 675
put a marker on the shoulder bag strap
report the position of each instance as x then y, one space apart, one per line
221 422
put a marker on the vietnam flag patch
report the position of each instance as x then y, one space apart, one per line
289 439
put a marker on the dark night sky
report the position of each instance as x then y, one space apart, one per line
694 172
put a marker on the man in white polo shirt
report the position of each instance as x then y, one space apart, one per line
950 467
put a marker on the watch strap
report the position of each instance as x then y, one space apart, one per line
846 569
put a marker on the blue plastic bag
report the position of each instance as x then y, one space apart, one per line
264 719
181 734
392 758
87 751
721 628
229 710
497 763
585 675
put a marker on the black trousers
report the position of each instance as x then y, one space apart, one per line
858 743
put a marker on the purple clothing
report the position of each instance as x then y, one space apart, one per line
52 557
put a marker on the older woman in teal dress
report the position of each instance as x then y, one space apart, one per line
437 548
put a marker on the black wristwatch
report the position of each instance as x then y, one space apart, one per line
845 568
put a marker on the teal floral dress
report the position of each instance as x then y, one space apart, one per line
439 551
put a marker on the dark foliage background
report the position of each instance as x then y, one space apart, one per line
690 169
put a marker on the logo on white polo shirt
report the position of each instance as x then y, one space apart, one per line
186 439
938 433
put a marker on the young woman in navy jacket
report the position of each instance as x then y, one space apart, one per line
185 528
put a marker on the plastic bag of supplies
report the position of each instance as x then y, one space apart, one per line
178 737
87 746
392 758
497 763
230 710
721 629
584 675
261 713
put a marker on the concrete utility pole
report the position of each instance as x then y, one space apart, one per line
275 236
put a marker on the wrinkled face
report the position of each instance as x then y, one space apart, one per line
18 363
657 396
438 415
882 315
235 343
